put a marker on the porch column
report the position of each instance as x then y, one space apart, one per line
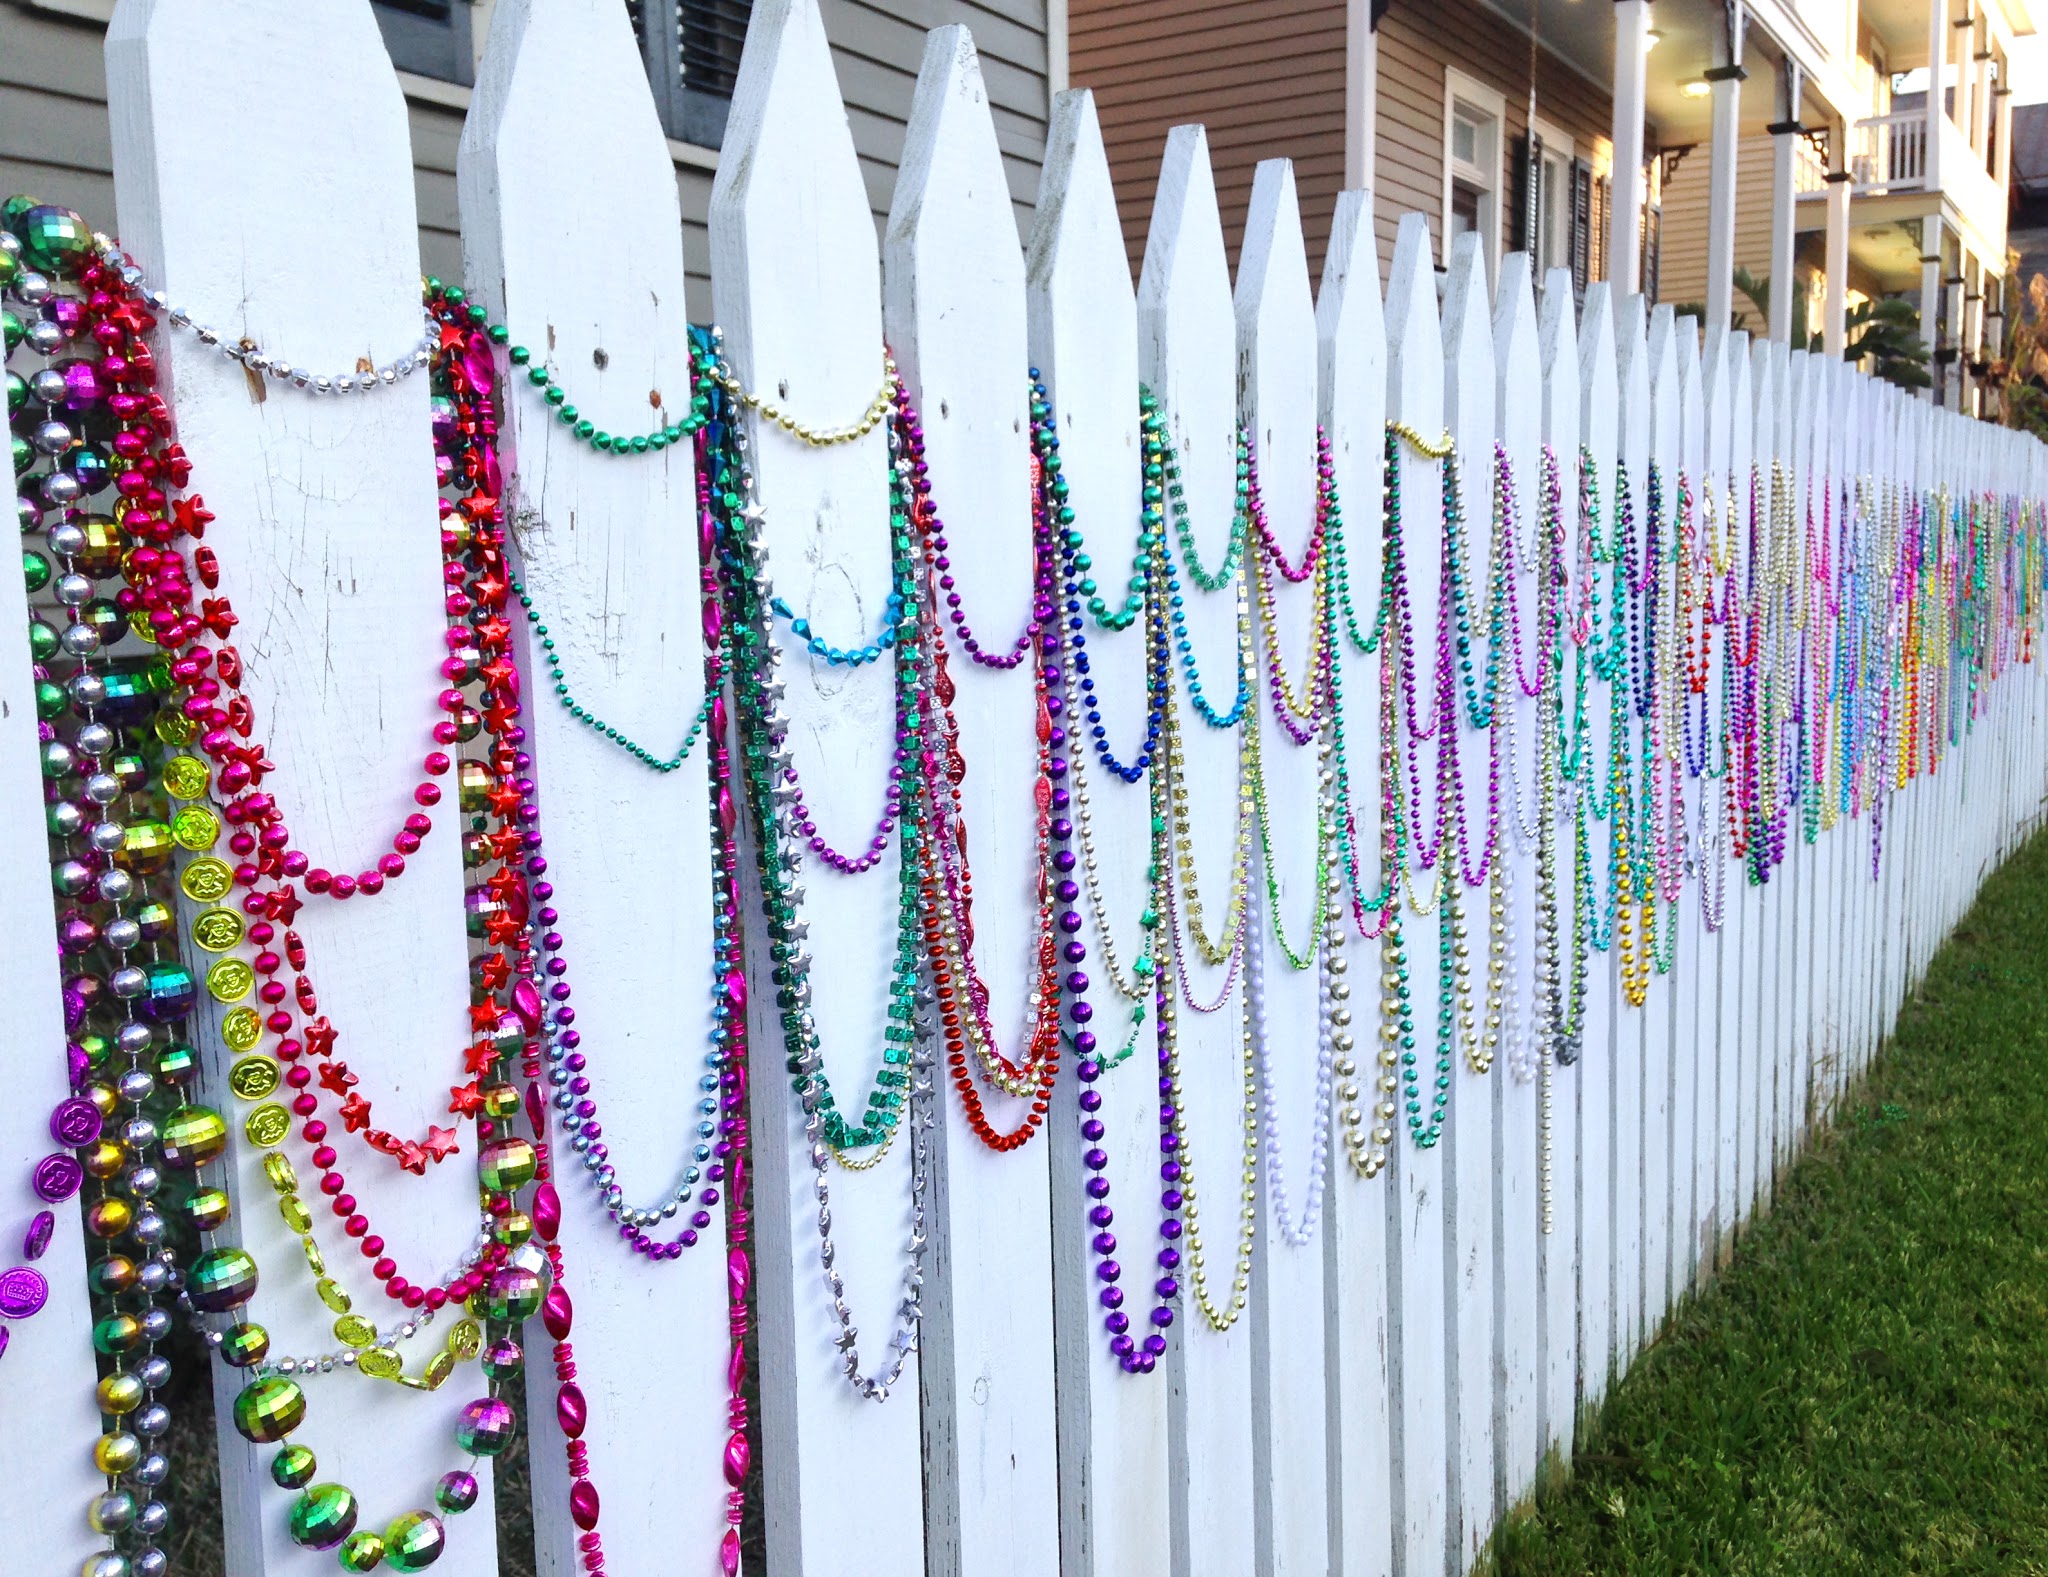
1631 70
1938 32
1724 150
1361 94
1784 203
1835 320
1980 93
1930 296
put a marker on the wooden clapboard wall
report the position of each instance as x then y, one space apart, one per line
1392 1378
55 140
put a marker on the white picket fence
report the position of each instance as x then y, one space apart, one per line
1396 1381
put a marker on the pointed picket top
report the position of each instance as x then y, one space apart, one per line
604 553
1716 367
1352 341
1415 351
795 284
1468 362
1665 397
1692 398
1741 413
1083 324
1518 358
1599 385
324 527
1632 365
953 307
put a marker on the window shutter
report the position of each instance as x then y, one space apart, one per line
692 51
1581 226
1528 196
430 37
1653 239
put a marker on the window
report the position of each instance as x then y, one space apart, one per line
1545 220
430 37
692 49
1474 161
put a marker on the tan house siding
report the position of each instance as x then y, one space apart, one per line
1419 40
55 142
1265 76
1684 276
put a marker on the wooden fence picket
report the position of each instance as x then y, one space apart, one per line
1631 517
1735 1050
1596 1074
1359 1223
1418 1335
1114 1507
1759 1032
1558 1262
796 287
1518 424
1187 357
323 525
1470 1135
1277 403
1692 1016
954 312
607 550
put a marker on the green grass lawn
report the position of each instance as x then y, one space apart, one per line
1865 1389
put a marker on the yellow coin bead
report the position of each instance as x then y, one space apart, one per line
230 980
267 1125
186 777
241 1029
253 1078
217 930
206 879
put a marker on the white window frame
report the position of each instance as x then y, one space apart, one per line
1557 224
1485 177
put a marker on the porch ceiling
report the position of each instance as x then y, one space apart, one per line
1581 32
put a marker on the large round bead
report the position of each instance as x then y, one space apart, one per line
414 1542
485 1426
221 1279
54 239
193 1136
506 1165
513 1295
362 1551
323 1516
269 1409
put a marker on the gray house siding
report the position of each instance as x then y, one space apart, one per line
54 139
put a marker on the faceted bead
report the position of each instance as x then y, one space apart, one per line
485 1426
506 1165
504 1359
146 848
54 240
169 994
221 1279
456 1492
207 1209
245 1346
178 1064
323 1516
269 1409
361 1551
193 1136
513 1295
414 1542
293 1467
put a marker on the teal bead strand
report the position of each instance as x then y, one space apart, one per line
545 643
